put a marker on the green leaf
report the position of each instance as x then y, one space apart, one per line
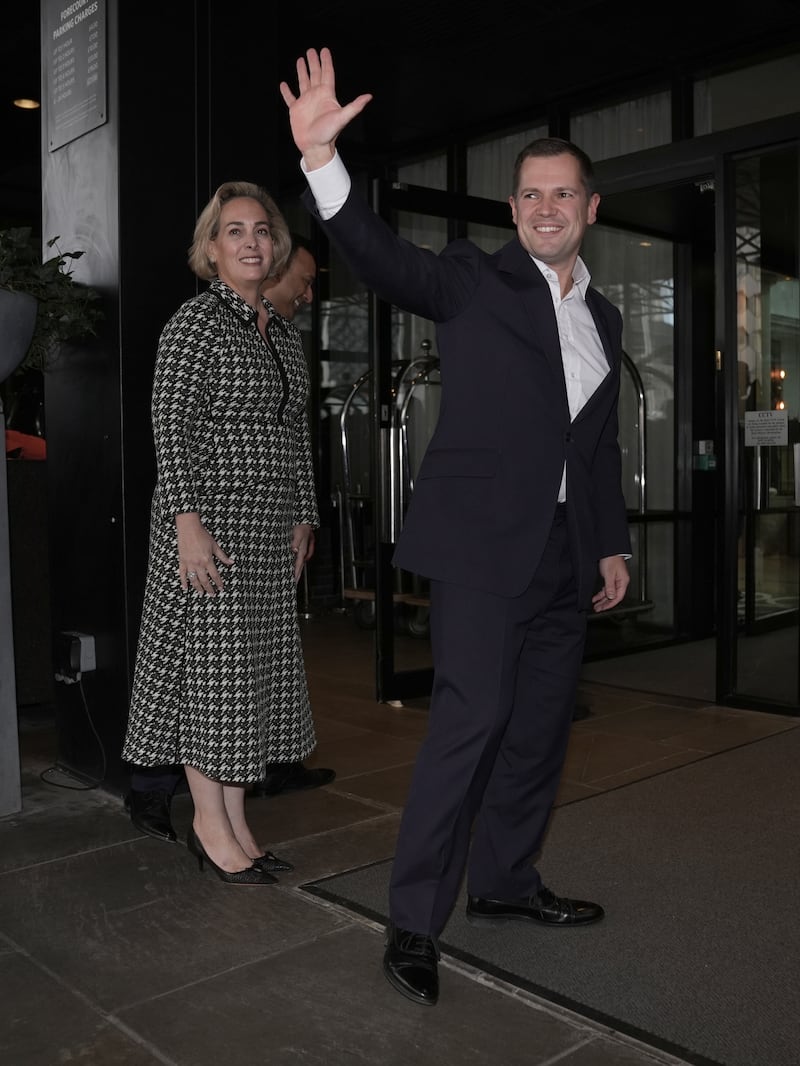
68 310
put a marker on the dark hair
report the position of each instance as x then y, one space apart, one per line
551 146
299 241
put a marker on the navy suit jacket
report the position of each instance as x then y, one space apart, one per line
485 494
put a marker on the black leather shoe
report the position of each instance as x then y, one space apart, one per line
545 908
291 777
150 814
411 965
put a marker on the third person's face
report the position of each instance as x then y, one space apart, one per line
300 276
551 209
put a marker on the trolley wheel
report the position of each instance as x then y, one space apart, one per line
364 614
418 622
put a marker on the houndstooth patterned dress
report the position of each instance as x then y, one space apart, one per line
219 682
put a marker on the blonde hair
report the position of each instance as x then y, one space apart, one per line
207 227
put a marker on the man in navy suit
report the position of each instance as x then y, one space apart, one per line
517 518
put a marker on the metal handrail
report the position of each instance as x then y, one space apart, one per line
638 384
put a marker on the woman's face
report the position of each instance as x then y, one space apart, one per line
242 249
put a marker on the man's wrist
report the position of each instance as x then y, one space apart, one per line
329 185
318 157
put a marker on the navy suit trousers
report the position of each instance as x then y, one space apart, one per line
485 780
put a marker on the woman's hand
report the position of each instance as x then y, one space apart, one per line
302 547
197 555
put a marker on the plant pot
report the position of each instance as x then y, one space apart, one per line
17 321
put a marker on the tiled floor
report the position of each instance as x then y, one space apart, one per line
115 951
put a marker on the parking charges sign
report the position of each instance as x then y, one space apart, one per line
75 68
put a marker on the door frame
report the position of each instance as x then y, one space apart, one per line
732 457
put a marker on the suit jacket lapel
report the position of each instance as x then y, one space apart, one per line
523 273
535 296
612 356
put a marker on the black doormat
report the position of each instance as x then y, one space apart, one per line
699 871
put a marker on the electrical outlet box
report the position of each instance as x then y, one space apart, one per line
75 655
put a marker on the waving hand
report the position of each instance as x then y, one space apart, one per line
315 115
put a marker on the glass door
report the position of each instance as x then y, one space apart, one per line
760 665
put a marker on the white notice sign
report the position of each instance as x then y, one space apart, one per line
766 427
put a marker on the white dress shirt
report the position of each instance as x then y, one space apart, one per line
582 355
330 186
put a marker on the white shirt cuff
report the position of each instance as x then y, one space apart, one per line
329 185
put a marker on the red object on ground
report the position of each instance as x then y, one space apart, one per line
25 445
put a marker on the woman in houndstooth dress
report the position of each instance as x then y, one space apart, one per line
219 683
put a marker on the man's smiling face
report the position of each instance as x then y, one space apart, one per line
551 209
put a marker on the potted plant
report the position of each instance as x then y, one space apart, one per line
65 311
68 311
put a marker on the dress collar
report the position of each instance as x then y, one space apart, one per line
225 294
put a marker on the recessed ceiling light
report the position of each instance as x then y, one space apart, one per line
26 103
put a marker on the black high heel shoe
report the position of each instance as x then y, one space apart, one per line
253 875
270 862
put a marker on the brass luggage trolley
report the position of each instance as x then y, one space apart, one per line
416 394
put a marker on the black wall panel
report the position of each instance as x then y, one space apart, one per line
126 194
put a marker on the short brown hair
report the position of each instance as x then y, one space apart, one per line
550 146
207 227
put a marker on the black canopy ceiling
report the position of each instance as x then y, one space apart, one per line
437 70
